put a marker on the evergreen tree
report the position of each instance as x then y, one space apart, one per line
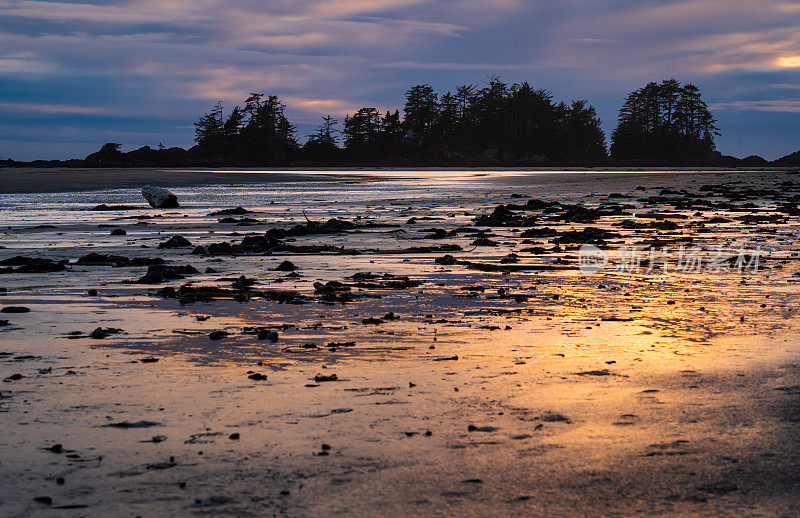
665 122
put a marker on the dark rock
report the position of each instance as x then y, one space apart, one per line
484 241
242 283
218 335
103 332
540 232
265 334
118 232
94 259
159 198
488 429
332 226
587 235
135 424
103 207
323 377
238 211
159 273
552 417
446 260
286 266
239 221
20 264
175 242
503 216
15 309
256 376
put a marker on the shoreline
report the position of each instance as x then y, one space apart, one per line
51 180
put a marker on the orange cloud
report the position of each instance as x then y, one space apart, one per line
788 62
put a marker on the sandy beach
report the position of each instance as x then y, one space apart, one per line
399 344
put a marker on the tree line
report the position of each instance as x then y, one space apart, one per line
499 123
496 124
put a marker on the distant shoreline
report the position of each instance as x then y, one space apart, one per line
44 180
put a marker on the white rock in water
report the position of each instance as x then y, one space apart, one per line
159 198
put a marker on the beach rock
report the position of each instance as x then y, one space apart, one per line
486 429
135 424
264 334
94 259
159 198
15 309
22 264
484 241
103 332
238 211
323 377
104 208
175 242
159 273
286 266
446 260
118 232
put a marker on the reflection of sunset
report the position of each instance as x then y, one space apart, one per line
498 378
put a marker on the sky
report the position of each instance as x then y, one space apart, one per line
74 75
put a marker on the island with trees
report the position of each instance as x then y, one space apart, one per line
497 125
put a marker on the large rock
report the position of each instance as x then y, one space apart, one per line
159 198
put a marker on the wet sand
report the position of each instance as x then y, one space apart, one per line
485 384
41 180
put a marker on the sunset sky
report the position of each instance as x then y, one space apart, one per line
76 74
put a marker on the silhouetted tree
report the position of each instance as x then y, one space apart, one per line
322 146
665 122
421 110
258 134
208 133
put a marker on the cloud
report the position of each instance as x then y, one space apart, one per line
52 109
451 66
151 66
779 105
24 63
